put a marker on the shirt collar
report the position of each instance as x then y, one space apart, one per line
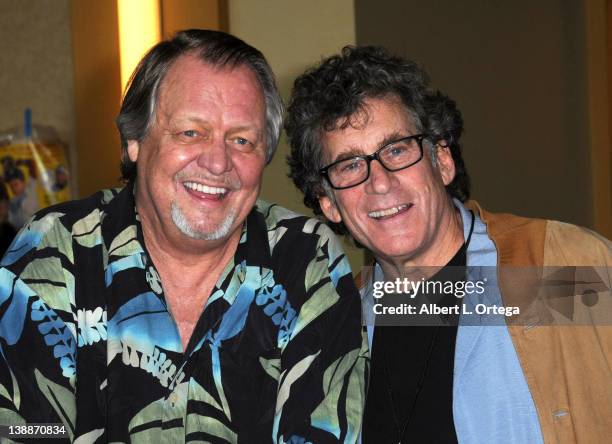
121 213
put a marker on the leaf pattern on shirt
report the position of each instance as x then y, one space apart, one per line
13 318
92 326
59 397
29 238
280 330
58 335
86 231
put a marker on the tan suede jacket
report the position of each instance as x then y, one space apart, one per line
567 365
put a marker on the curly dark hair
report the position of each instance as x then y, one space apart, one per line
325 98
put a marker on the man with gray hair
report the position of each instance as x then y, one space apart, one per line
181 308
522 357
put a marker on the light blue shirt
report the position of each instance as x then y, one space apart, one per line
491 399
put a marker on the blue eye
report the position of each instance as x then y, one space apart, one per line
190 133
351 165
242 144
398 150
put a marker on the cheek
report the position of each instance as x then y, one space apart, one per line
177 156
182 156
168 161
349 203
249 171
426 183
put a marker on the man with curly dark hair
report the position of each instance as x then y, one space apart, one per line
377 153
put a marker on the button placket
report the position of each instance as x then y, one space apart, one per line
175 407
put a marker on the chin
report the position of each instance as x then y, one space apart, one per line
393 248
399 253
197 227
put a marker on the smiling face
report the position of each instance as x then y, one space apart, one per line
400 216
201 162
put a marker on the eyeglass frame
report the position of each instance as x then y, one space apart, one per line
375 156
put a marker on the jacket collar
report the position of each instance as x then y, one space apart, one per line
519 241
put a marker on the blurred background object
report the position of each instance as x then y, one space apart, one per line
34 168
531 79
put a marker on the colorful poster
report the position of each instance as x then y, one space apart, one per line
35 173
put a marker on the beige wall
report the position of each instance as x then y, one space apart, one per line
293 35
98 84
177 15
97 75
36 64
518 71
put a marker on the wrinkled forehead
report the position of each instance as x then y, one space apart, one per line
189 76
376 120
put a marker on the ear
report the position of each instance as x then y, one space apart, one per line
446 164
133 148
329 209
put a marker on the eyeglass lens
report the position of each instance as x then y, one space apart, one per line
394 156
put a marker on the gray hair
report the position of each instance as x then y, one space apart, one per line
215 47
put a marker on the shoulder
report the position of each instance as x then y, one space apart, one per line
55 226
568 244
522 240
299 242
500 224
281 222
74 210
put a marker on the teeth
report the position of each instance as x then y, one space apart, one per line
204 188
387 212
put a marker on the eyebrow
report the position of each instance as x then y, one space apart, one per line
353 151
200 121
393 137
173 120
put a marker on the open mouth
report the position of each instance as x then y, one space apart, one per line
206 191
389 212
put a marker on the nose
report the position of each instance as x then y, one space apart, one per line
215 157
380 179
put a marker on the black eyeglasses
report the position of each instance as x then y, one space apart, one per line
394 156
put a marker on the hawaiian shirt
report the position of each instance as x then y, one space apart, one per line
87 339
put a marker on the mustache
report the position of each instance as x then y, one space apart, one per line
225 181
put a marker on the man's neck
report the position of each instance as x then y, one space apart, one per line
433 256
187 262
189 270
